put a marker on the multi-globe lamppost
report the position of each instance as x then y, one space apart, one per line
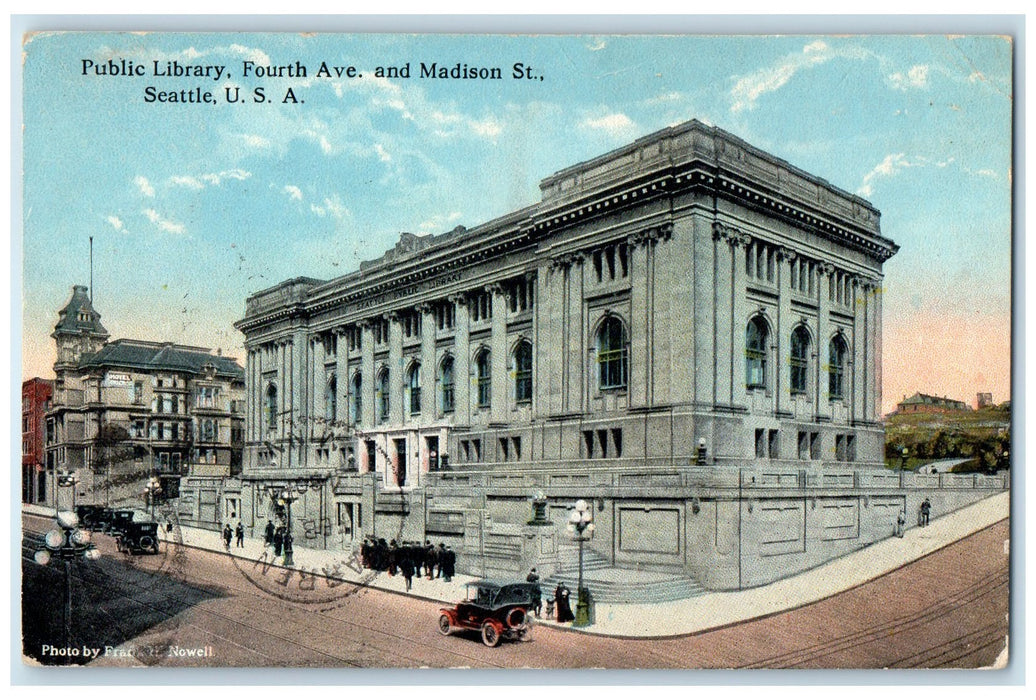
580 524
154 487
286 495
67 544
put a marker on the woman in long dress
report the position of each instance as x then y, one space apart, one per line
561 596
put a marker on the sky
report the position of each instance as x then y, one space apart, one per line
193 207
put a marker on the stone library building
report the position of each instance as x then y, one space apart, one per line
684 332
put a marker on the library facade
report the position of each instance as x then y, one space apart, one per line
676 324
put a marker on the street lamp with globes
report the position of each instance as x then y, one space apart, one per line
580 524
66 544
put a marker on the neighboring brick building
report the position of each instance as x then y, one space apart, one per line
36 395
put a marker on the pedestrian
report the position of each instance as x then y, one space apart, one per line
288 549
534 590
227 535
240 534
406 567
561 602
429 559
168 525
448 564
392 558
901 523
439 551
926 511
278 541
268 533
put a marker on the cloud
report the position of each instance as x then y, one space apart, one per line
915 78
116 223
144 186
255 141
331 206
890 166
597 44
748 89
383 155
163 224
293 192
615 123
214 179
439 222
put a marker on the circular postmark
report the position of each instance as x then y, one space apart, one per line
330 583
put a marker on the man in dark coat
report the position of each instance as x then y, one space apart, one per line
406 567
537 594
239 534
448 563
268 534
278 541
227 535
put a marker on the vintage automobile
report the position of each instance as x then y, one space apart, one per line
137 537
498 610
118 520
93 517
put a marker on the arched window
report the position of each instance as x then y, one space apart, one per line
799 360
357 391
446 384
484 375
756 340
611 354
271 407
414 383
383 395
836 367
331 399
523 372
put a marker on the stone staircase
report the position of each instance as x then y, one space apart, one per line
610 584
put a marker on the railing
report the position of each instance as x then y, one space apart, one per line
832 476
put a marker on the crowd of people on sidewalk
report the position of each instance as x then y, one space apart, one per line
409 559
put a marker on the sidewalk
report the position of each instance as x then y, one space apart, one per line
680 617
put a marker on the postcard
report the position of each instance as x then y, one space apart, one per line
553 351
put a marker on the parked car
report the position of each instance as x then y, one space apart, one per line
119 519
498 610
94 517
134 538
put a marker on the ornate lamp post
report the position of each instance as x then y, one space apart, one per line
154 487
67 544
66 479
286 495
580 524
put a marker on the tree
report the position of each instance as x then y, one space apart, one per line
111 447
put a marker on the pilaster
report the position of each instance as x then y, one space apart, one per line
395 365
498 358
462 362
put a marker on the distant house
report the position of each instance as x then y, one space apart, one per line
983 400
924 403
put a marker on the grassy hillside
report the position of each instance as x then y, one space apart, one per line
983 436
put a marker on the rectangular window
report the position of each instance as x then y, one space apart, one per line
504 451
588 441
775 444
602 440
476 445
850 448
617 441
840 448
517 443
803 445
760 442
814 445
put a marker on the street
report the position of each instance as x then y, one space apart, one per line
198 608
